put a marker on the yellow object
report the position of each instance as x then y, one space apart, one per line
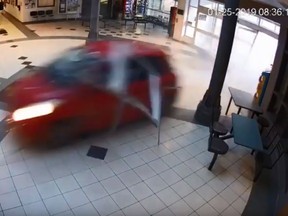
260 87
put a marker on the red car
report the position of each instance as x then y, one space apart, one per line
60 100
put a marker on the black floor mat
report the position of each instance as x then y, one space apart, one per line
97 152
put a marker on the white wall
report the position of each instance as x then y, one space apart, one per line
24 14
14 11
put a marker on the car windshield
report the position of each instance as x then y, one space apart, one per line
72 66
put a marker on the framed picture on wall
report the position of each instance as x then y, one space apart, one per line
45 3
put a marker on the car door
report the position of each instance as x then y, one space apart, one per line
100 105
139 83
138 88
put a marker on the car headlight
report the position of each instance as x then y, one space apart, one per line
35 110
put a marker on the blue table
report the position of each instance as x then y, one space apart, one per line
246 132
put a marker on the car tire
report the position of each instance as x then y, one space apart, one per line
62 133
167 105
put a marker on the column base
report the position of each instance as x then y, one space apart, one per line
92 36
204 114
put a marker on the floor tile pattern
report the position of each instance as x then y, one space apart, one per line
137 177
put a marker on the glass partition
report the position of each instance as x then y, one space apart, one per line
267 25
154 4
162 5
212 25
250 18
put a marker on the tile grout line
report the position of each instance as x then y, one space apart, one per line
146 163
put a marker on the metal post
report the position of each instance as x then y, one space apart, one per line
94 20
212 98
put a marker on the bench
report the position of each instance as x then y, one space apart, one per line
140 20
127 19
146 19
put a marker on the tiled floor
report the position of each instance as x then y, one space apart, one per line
137 177
12 31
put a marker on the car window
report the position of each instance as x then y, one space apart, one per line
137 72
140 67
159 63
73 66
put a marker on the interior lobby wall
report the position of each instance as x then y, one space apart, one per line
22 10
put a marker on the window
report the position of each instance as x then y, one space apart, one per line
139 68
194 3
73 66
267 25
167 4
136 70
154 4
159 63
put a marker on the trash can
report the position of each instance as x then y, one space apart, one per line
261 87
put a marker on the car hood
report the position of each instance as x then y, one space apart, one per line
31 88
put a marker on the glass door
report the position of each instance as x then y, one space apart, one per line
191 18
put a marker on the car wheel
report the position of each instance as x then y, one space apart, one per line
167 105
62 133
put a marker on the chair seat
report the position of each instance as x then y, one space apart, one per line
218 146
219 128
263 121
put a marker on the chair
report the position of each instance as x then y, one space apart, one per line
269 157
267 139
218 129
49 13
41 14
216 145
263 122
34 14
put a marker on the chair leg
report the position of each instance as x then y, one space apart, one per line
213 161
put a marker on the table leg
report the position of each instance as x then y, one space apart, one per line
228 107
239 110
252 115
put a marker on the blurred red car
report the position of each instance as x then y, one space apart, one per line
53 103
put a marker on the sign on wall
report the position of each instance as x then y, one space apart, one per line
46 3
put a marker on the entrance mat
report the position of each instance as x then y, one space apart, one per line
97 152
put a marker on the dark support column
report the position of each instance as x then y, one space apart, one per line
94 20
109 9
210 104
